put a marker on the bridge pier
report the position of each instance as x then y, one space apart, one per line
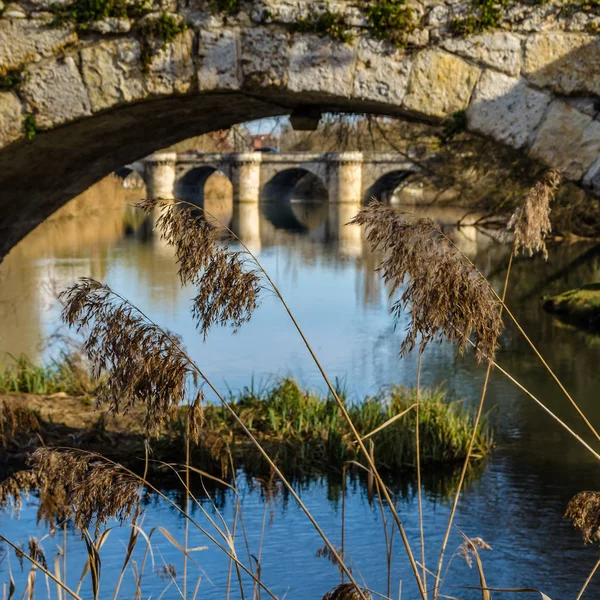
245 223
245 176
345 178
159 171
348 238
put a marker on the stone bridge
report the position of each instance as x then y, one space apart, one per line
80 96
343 177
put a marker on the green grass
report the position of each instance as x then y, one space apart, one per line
580 307
66 374
306 431
326 24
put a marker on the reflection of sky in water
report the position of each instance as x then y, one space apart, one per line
329 283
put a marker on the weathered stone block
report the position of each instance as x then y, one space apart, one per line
592 177
218 60
567 140
319 64
506 109
24 41
568 63
499 50
265 57
112 73
11 118
381 73
172 70
54 91
440 84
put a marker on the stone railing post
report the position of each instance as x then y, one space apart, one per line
159 169
345 178
245 176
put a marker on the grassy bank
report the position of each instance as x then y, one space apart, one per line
303 430
579 307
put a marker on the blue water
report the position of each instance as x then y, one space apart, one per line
515 504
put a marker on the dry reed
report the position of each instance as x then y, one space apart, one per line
445 294
228 289
74 485
584 511
138 362
531 220
346 591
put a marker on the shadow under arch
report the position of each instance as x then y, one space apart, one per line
295 200
191 186
383 188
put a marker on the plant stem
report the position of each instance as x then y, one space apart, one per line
525 336
470 449
587 581
419 494
253 439
341 406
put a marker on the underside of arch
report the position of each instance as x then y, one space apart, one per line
384 187
290 199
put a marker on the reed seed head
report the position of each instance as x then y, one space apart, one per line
584 511
447 297
531 221
470 547
34 551
75 485
227 287
346 591
142 363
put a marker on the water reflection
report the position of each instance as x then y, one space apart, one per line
327 274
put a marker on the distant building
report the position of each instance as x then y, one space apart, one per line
263 140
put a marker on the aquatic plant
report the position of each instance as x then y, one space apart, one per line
67 373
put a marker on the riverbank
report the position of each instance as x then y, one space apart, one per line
579 307
302 430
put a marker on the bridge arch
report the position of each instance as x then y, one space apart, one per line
89 100
191 186
294 199
384 187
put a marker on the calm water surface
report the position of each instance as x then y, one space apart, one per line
327 275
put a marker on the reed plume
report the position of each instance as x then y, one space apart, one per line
34 551
346 591
141 363
227 287
531 220
470 548
584 511
446 296
75 485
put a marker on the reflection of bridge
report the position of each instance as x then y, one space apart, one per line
343 178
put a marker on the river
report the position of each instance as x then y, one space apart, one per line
328 276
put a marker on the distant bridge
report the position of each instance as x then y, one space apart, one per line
343 177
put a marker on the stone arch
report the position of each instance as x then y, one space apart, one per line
191 185
290 213
131 176
384 187
295 180
87 103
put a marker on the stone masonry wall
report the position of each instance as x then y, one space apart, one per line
532 82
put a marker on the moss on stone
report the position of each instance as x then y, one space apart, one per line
486 14
326 24
156 34
30 127
580 307
229 7
82 13
11 79
390 20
